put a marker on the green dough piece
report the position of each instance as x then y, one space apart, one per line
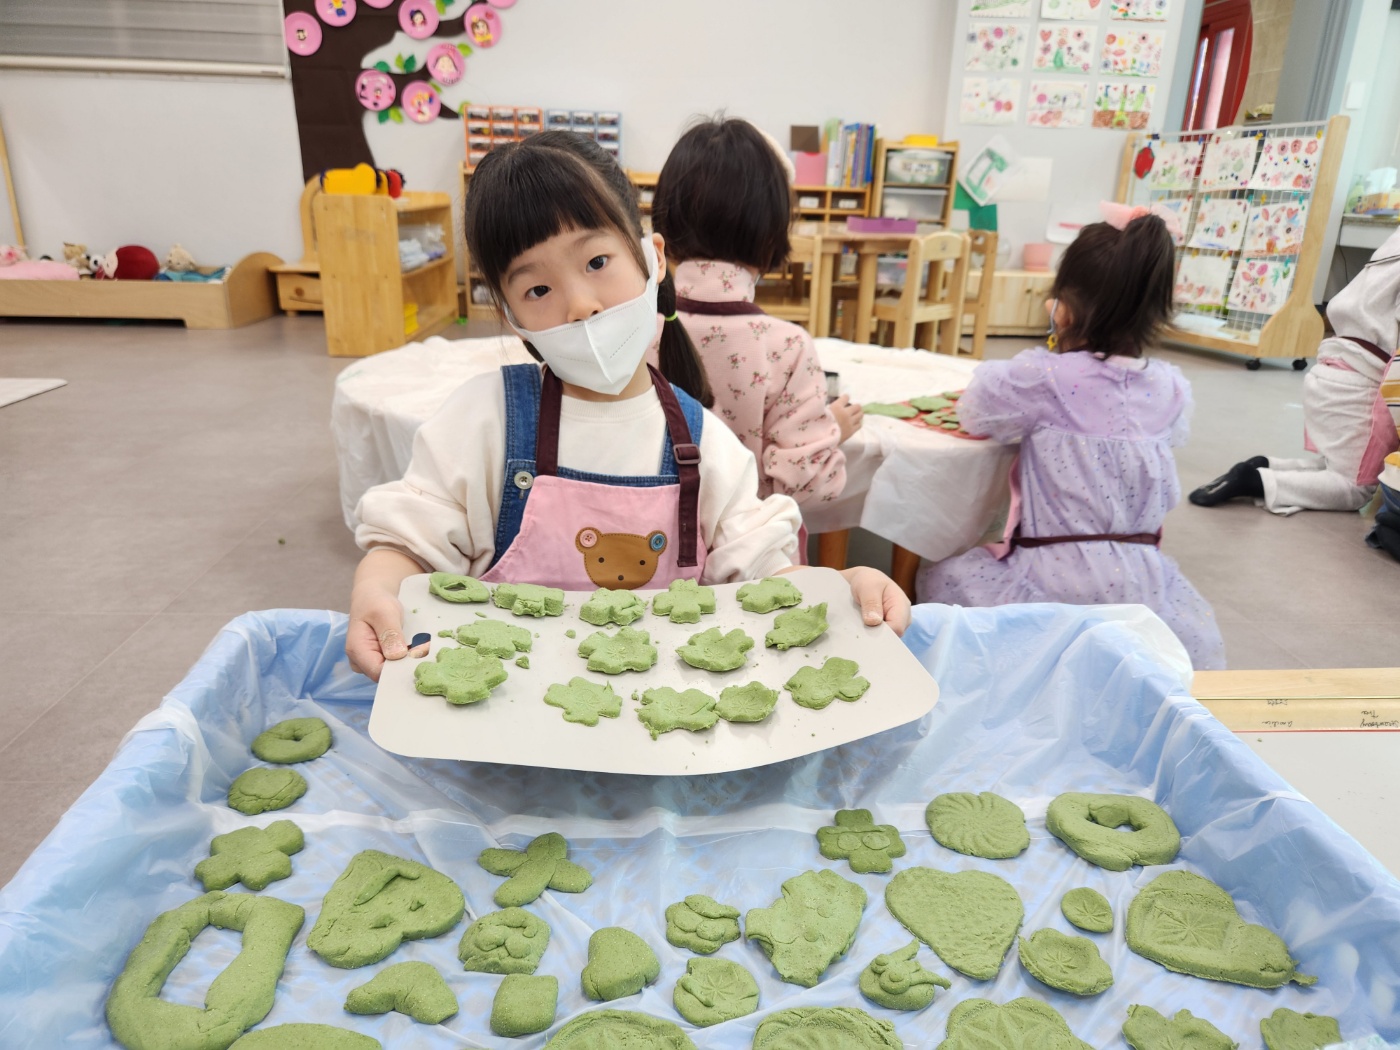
952 395
1088 909
1071 964
797 627
619 1030
1190 925
494 638
769 593
896 981
412 988
461 676
619 964
612 606
1146 1029
685 602
583 701
306 1037
1287 1029
529 599
541 865
701 924
570 633
969 918
524 1005
815 688
825 1028
238 997
522 662
627 650
262 789
453 588
984 825
378 902
951 424
880 408
295 740
930 404
712 651
509 941
664 710
810 927
714 990
858 839
1021 1024
1088 825
746 703
252 856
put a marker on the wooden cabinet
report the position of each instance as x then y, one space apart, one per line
371 303
1018 301
913 181
831 203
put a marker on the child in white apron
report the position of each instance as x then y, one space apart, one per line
597 470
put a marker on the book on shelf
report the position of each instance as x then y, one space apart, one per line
850 154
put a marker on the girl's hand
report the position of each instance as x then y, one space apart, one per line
376 630
848 416
879 597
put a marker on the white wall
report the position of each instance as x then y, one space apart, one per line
214 164
1380 139
1086 160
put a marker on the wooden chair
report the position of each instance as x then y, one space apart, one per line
932 317
979 306
791 295
299 283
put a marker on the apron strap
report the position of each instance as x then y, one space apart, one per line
1153 539
684 449
728 308
1370 347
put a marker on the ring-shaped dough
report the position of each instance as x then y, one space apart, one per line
295 740
1088 824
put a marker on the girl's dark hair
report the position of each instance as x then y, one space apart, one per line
526 192
724 194
1117 285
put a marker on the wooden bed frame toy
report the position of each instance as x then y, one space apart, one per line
246 295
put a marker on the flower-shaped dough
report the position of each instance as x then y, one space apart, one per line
462 676
627 650
665 709
542 865
507 941
712 651
701 924
612 606
816 687
856 838
685 602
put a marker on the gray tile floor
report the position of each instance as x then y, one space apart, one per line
182 478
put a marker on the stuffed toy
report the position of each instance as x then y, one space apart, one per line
130 262
76 256
11 254
179 260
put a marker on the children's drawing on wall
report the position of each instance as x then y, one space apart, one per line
1065 49
1174 167
1058 104
1000 8
1261 285
1276 229
1124 105
995 47
1132 54
1070 10
1139 10
1287 162
989 100
1219 224
1201 280
1228 163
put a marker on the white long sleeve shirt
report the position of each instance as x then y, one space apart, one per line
443 512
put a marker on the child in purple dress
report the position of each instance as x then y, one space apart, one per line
1096 421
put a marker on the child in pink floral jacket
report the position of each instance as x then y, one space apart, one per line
724 203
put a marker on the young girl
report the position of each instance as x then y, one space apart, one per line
1095 475
724 204
593 471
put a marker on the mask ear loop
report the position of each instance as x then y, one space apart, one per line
1053 340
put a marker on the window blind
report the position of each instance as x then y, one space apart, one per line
143 33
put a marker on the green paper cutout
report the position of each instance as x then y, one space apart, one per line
395 114
414 989
541 865
252 856
869 847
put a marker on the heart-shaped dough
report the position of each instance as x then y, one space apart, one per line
969 918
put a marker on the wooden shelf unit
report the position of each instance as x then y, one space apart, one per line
829 199
365 289
912 192
1018 301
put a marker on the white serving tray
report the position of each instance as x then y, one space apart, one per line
515 726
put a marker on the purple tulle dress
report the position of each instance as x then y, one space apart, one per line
1096 458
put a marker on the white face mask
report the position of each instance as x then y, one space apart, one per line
602 352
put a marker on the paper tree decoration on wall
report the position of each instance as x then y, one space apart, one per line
334 86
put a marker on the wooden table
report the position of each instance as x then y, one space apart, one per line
824 242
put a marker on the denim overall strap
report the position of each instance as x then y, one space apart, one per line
680 448
522 388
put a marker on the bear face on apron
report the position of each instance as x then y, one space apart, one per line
575 530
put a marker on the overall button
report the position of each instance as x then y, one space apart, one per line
523 479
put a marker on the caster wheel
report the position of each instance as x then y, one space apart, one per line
1254 364
1300 363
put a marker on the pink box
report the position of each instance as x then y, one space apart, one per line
860 224
811 169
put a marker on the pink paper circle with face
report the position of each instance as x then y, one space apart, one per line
336 12
445 64
420 102
302 33
483 25
418 18
375 89
502 3
380 3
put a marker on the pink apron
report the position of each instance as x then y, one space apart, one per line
571 529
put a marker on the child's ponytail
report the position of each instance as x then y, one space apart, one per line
1117 286
680 363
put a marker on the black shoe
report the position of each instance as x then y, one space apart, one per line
1240 480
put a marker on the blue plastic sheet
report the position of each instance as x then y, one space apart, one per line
1036 700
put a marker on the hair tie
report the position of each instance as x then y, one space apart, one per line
673 317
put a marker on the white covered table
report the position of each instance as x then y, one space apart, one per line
926 492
